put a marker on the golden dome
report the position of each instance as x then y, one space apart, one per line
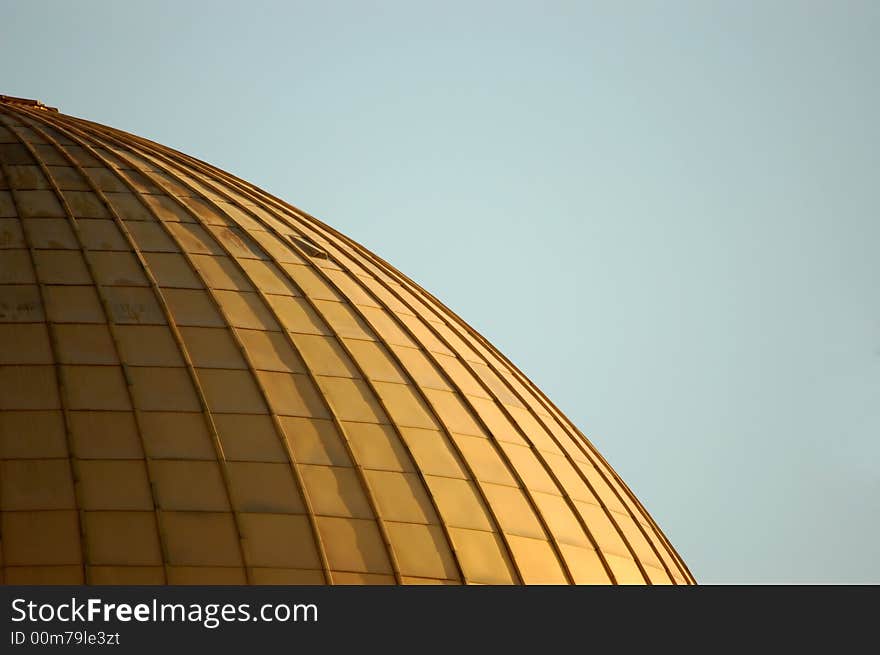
201 384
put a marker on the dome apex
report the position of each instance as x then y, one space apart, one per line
25 102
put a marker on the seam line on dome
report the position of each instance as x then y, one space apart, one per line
59 380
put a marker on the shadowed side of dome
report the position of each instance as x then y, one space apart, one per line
202 384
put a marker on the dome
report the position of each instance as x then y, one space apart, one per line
202 384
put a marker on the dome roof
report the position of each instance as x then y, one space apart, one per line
201 384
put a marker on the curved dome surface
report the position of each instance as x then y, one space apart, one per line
201 384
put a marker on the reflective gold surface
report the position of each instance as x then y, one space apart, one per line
200 384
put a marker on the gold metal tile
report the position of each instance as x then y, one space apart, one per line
85 344
189 485
212 348
513 511
221 273
246 310
168 210
262 487
129 207
192 307
105 179
401 497
15 267
237 242
38 204
177 435
194 239
459 503
270 351
343 320
25 344
131 305
420 368
310 283
105 435
49 234
533 430
231 391
147 345
292 394
406 408
377 447
61 267
453 412
85 204
163 389
26 435
325 356
354 545
117 269
536 560
603 531
63 305
422 550
315 441
201 538
268 277
625 569
386 327
108 484
336 491
11 235
484 460
123 538
529 468
561 520
250 437
432 452
296 315
279 540
151 237
352 400
35 484
28 387
584 564
26 177
482 556
461 377
21 304
40 538
375 361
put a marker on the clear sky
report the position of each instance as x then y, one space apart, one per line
666 213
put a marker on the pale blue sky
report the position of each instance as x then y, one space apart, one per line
665 213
